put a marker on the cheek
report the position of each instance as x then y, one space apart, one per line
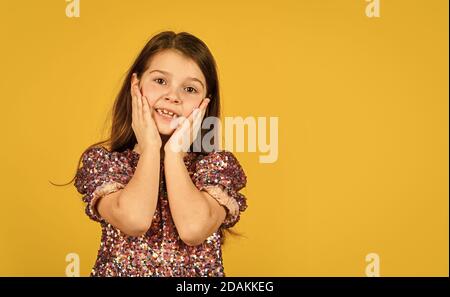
151 93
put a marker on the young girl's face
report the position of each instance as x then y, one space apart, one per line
172 82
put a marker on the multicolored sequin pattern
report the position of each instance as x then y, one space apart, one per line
160 251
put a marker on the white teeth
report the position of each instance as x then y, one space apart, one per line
166 113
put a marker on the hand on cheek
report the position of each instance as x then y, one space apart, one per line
186 129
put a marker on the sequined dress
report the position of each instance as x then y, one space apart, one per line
160 251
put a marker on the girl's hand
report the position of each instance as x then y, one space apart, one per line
143 124
187 130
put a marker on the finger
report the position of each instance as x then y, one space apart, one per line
176 123
139 103
194 114
198 118
204 103
150 108
145 107
134 81
184 125
197 121
187 124
205 106
191 123
133 104
202 108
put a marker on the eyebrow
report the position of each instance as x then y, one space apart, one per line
169 74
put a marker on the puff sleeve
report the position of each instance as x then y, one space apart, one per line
220 174
102 173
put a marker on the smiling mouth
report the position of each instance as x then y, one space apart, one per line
166 114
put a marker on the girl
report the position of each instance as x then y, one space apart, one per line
162 210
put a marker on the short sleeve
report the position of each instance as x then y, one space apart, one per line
101 174
220 174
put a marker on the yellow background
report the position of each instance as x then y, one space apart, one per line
363 128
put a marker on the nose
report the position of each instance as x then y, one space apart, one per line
172 98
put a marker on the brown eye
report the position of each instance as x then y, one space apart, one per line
193 90
158 80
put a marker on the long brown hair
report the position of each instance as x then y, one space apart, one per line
121 136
